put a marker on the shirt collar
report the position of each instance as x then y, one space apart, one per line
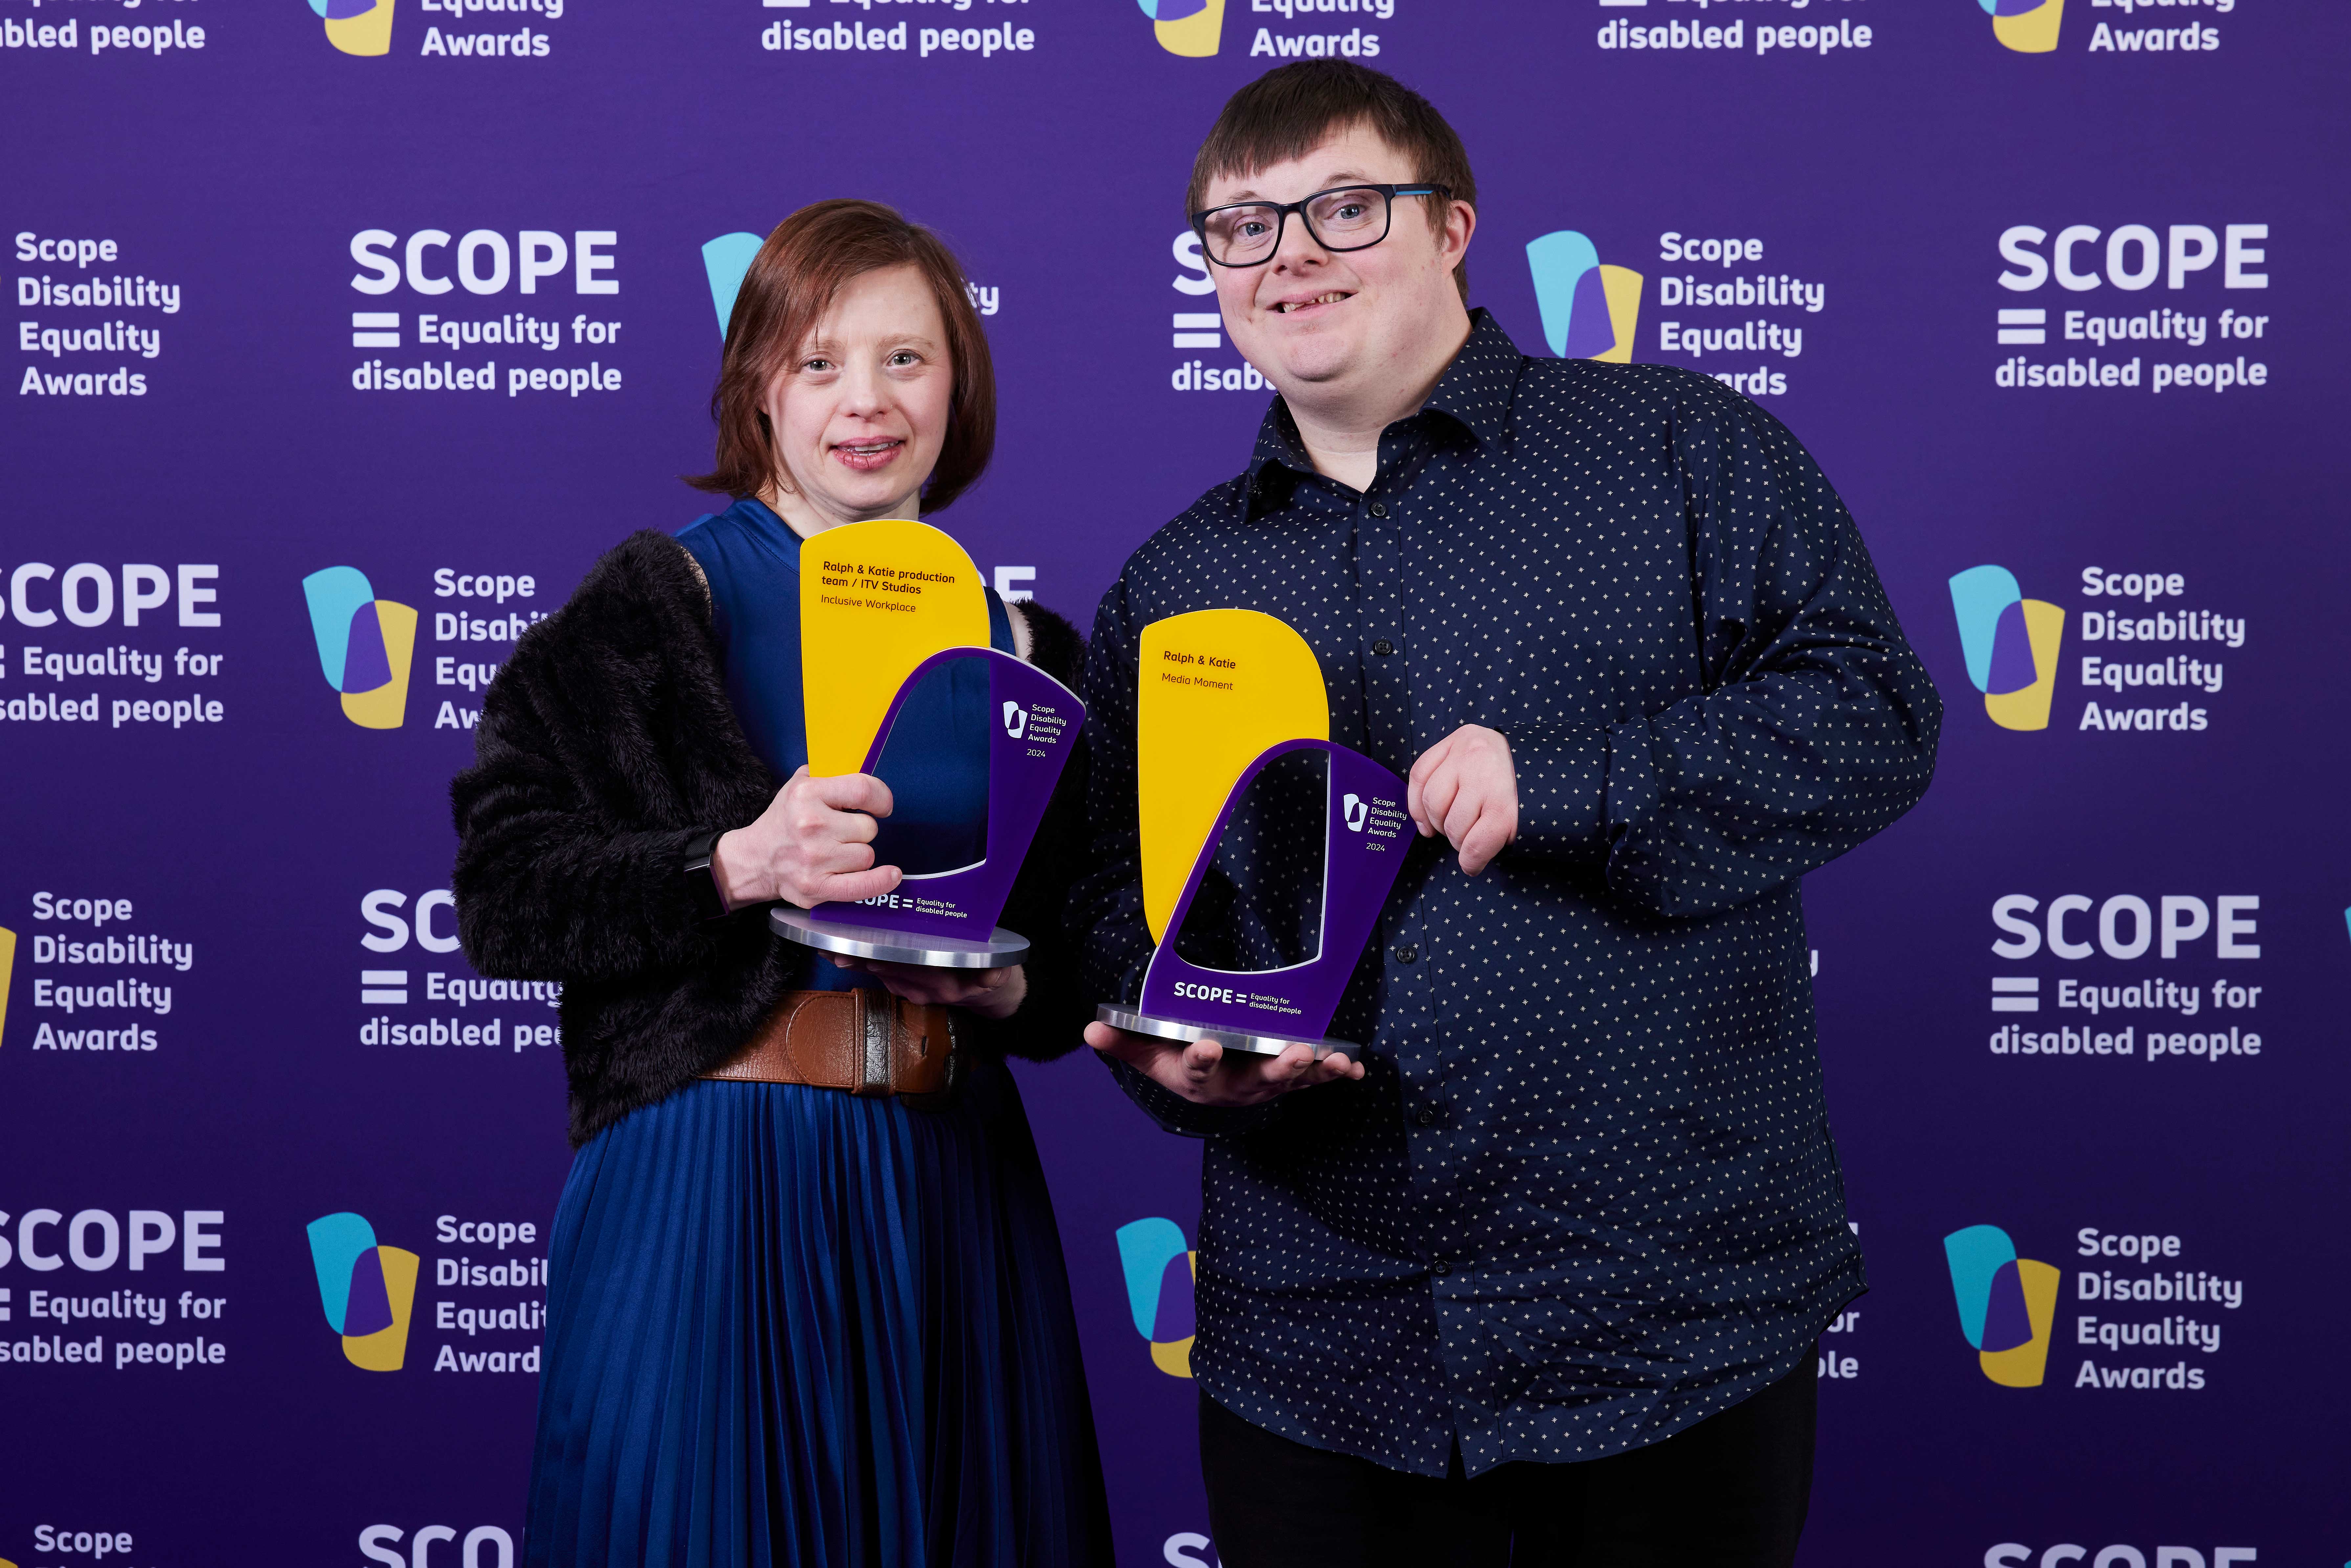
1478 386
1474 392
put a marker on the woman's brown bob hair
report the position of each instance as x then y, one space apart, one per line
790 284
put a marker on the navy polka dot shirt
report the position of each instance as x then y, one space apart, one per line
1585 1194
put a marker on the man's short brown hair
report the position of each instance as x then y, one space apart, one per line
1292 110
792 282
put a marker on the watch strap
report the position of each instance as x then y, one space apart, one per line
701 883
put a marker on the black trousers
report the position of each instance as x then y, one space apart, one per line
1729 1492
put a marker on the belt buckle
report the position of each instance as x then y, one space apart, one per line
952 1084
877 1028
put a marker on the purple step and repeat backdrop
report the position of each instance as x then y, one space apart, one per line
415 294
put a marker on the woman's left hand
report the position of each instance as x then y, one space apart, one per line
990 993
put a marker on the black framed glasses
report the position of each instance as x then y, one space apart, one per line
1343 218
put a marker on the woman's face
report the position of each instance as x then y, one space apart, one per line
858 414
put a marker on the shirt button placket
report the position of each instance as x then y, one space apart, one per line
1385 682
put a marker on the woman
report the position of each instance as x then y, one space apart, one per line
787 1322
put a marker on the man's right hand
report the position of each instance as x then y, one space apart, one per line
1206 1074
813 844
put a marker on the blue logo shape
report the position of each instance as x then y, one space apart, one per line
337 1241
725 259
1146 1248
1981 597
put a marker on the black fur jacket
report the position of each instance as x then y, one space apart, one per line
605 745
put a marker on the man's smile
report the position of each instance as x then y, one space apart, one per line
1311 304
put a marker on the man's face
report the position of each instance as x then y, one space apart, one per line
1316 320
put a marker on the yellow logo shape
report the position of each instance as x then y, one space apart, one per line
876 600
369 33
2034 32
1217 687
2045 628
8 968
1622 286
2022 1367
1195 37
383 1350
384 707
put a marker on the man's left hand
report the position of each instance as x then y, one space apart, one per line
1464 788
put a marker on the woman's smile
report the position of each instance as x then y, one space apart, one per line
866 456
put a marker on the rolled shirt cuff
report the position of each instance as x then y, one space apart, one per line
1573 782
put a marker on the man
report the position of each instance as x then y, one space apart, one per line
1537 1279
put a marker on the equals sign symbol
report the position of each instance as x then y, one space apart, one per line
1197 329
382 987
2024 326
375 329
2015 994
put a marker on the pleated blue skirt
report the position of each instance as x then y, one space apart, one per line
790 1325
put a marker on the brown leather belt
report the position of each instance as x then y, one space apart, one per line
866 1041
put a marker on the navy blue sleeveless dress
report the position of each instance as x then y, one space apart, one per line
792 1325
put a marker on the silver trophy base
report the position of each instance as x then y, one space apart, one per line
1231 1038
1002 947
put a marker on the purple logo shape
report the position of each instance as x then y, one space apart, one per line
366 662
2007 1322
369 1308
2011 654
1589 331
1175 1315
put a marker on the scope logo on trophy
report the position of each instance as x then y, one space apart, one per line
1267 851
892 611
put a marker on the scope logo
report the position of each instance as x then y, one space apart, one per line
2011 644
1589 309
356 26
2007 1303
365 645
1192 29
2027 26
367 1289
1161 1267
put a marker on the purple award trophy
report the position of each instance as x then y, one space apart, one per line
884 606
1225 697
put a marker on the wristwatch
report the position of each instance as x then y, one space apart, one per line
701 883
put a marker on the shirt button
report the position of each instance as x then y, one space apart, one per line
1440 1267
1384 647
1429 1116
1379 508
1405 953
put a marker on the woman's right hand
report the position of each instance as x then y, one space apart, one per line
813 844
